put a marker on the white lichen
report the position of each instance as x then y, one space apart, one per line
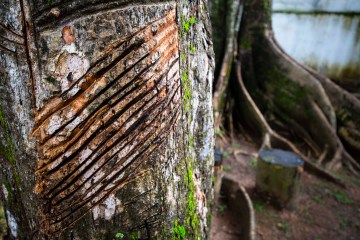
12 224
5 191
107 209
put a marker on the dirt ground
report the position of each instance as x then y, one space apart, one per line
325 211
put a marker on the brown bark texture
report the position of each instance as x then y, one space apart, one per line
106 119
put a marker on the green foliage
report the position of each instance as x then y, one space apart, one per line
227 168
285 227
133 236
245 42
119 235
192 20
191 141
225 154
356 181
3 225
7 151
183 56
221 208
286 94
187 23
317 199
253 163
236 145
259 207
9 189
186 26
192 48
192 220
178 231
186 87
342 198
267 8
219 132
50 79
2 120
190 227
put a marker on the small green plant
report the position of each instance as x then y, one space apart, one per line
221 208
285 227
219 132
178 231
192 48
236 145
227 168
120 235
186 85
50 79
192 20
259 207
186 26
133 236
253 163
356 181
342 198
225 154
191 141
317 199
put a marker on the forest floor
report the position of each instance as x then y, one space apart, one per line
325 211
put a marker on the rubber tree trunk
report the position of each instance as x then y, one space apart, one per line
106 119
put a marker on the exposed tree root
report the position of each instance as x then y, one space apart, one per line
327 99
272 139
285 100
221 83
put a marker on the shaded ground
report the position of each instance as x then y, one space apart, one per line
325 211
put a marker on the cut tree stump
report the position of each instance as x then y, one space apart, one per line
278 176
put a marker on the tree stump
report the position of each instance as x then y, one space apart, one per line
278 176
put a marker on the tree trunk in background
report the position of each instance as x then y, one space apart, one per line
280 101
106 119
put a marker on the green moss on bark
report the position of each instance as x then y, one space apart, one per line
7 151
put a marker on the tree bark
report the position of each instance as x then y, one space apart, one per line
106 119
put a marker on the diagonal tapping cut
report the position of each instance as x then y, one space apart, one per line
119 133
95 137
105 121
110 54
110 182
145 128
99 89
